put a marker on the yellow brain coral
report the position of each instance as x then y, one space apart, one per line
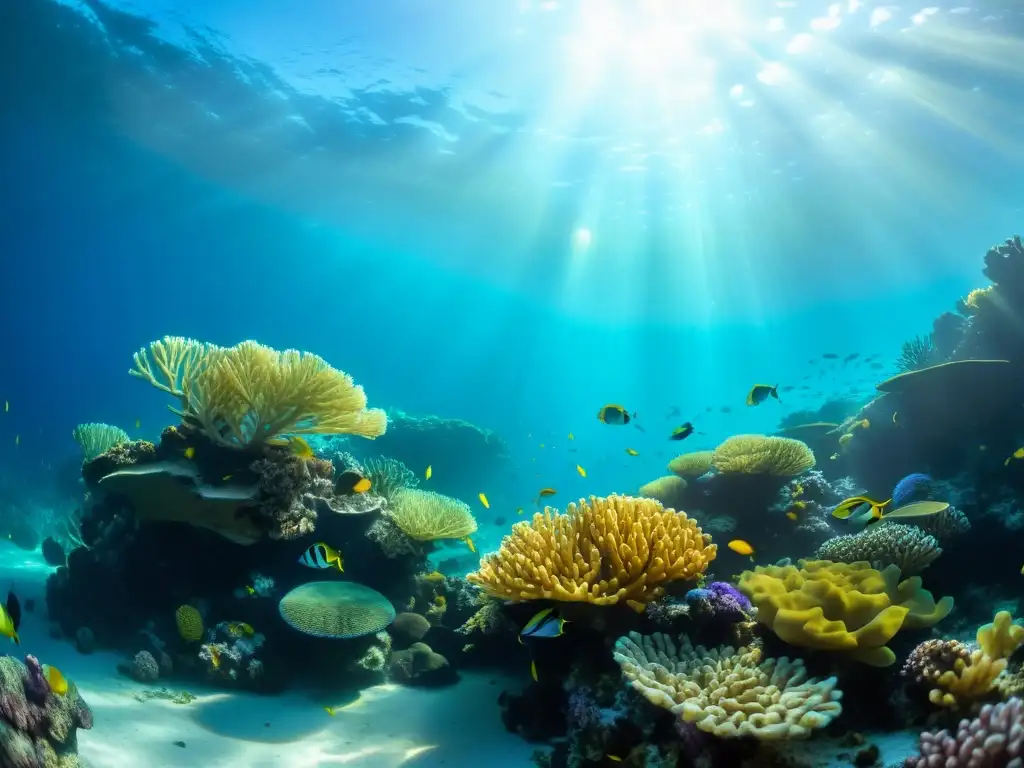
692 464
426 516
602 551
762 455
726 692
841 607
190 623
251 393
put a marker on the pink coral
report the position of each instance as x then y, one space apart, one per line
994 739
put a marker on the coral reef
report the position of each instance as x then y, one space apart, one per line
605 551
336 609
693 464
728 692
905 546
841 607
761 455
428 516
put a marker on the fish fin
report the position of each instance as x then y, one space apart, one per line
16 639
520 639
338 563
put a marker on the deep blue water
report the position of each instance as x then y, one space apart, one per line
326 178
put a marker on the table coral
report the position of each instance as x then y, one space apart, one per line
602 551
840 606
727 692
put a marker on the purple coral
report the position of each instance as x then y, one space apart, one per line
36 687
582 709
994 739
720 600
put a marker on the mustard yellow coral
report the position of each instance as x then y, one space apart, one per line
726 692
668 490
841 607
602 551
762 455
693 464
251 393
428 516
976 677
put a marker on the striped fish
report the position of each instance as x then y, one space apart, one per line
320 555
544 623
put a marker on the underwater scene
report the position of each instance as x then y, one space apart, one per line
559 383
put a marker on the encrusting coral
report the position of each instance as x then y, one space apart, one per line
847 607
427 516
975 677
727 692
602 551
250 393
905 546
761 455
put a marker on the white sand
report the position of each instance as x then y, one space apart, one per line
455 727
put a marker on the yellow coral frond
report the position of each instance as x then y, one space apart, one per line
762 455
427 516
178 361
847 607
979 676
602 551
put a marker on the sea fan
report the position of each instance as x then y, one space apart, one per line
918 352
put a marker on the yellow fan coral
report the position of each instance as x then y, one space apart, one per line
976 677
762 455
692 464
841 607
251 393
426 516
726 692
602 551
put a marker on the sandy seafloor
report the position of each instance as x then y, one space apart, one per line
385 727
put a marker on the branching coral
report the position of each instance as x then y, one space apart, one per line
95 439
693 464
994 739
726 692
605 551
250 393
841 607
427 516
761 455
975 677
905 546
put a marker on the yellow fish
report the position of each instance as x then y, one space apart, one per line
571 436
615 758
845 439
533 671
793 516
250 590
468 541
581 470
55 679
17 440
362 486
190 452
632 452
846 507
240 629
429 472
519 510
484 501
741 547
329 711
226 478
1018 454
214 657
138 423
7 626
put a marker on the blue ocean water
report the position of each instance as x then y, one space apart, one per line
509 213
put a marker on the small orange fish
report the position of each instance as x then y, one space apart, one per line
484 501
533 671
190 452
632 452
362 486
430 471
581 470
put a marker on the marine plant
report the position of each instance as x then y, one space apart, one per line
428 516
95 439
916 353
249 394
602 551
728 692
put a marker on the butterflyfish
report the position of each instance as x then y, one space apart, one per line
321 556
681 432
429 472
632 452
545 623
190 452
761 392
741 547
296 444
615 758
484 501
55 680
614 414
582 472
847 507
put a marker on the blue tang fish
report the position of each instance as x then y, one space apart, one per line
543 624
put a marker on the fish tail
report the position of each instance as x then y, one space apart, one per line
337 562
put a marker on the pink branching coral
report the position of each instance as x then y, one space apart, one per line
994 739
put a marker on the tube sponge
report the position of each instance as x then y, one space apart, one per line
726 692
840 606
602 551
